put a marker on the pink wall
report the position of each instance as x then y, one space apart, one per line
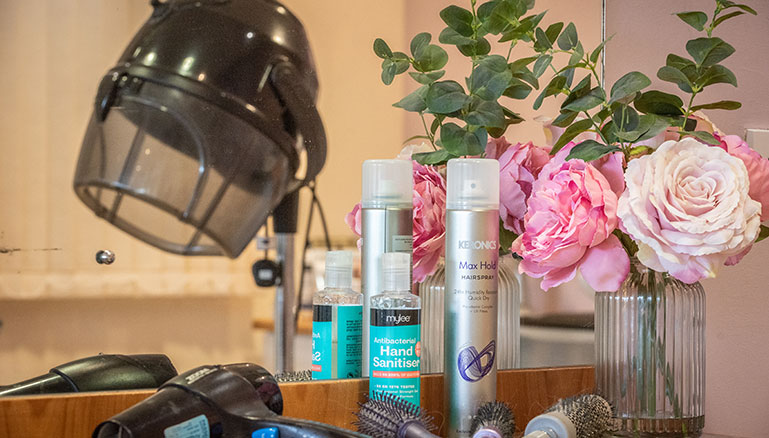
737 300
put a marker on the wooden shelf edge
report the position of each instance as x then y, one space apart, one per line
527 391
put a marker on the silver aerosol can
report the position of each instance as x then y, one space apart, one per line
472 236
386 216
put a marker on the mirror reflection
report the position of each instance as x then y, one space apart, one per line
57 304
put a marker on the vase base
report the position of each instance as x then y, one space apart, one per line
688 427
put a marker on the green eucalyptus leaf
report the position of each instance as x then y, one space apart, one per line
763 233
609 132
553 31
625 118
415 101
490 78
597 52
527 76
451 36
708 51
502 16
401 65
460 141
564 119
554 87
716 74
388 71
427 78
459 19
723 18
590 150
694 19
572 131
541 65
517 90
433 158
446 97
649 125
431 58
657 102
592 99
541 43
602 115
477 47
381 49
419 42
581 89
569 75
721 104
532 21
568 39
676 76
436 123
745 8
703 136
486 114
628 85
521 63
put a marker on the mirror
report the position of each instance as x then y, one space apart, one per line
57 304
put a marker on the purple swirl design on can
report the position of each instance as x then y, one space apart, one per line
473 366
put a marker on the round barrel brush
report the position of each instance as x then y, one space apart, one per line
389 416
493 420
583 416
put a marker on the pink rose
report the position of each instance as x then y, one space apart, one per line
758 168
429 220
687 207
572 213
519 166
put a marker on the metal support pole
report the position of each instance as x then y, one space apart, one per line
285 305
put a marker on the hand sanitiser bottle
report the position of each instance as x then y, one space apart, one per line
386 216
395 327
337 322
470 304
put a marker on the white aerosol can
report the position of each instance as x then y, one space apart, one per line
386 215
472 255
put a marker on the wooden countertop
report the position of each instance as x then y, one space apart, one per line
528 392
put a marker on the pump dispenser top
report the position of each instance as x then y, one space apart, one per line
396 267
338 269
472 183
387 183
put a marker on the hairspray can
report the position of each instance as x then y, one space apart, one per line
386 216
472 236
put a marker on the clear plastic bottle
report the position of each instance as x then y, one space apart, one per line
395 332
337 314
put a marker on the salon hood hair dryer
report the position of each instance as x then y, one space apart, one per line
201 131
238 400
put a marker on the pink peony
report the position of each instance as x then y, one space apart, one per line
429 220
352 219
572 213
687 207
758 168
519 166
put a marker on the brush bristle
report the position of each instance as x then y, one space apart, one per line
293 376
589 413
497 416
382 416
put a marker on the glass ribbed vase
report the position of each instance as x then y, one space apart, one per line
508 322
650 355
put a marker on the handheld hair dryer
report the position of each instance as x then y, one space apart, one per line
104 372
237 400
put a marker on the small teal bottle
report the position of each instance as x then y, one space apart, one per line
395 345
337 314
